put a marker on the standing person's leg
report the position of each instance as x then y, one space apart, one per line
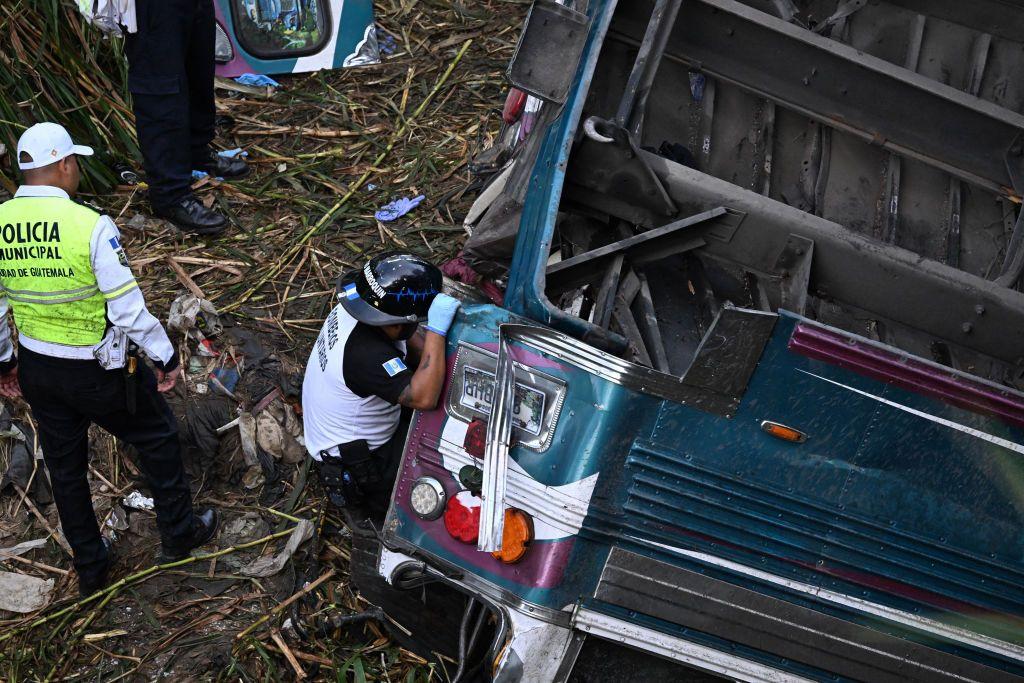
154 433
199 70
63 435
157 81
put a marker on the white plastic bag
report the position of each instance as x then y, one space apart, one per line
112 17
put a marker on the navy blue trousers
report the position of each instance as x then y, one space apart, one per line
170 74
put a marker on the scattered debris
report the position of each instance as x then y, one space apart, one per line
303 215
22 593
233 153
137 501
268 566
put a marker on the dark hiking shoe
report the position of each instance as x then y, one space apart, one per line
204 526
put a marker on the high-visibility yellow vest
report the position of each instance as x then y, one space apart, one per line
46 270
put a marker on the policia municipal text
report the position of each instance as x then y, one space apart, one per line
81 319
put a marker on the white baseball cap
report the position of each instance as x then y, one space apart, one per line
47 143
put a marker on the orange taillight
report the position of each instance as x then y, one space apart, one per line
780 431
516 537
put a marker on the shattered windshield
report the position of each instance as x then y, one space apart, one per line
280 28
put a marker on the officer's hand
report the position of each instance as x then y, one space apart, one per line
442 313
9 386
165 381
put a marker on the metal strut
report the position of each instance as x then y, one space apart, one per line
634 99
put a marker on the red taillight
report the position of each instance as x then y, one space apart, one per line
462 517
514 103
476 438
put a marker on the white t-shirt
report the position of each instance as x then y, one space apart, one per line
354 377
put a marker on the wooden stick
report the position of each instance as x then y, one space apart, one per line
53 532
183 277
37 565
299 673
281 606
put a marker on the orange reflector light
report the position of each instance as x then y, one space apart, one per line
517 535
780 431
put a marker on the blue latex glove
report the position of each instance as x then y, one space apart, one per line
232 153
258 80
398 208
442 313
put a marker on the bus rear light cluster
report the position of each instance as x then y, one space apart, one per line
462 522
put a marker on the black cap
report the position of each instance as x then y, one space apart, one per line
391 289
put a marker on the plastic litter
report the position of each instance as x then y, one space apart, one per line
279 432
22 593
258 80
232 153
248 527
137 501
268 566
21 548
398 208
225 377
118 519
386 42
189 314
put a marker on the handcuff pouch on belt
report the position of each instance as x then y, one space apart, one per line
345 475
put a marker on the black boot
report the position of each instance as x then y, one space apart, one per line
204 526
87 585
224 167
190 215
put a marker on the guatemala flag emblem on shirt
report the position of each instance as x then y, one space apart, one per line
394 366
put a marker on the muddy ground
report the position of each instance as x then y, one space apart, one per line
327 150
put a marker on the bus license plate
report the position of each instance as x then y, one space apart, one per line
478 395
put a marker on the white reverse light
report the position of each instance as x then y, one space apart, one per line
427 498
223 52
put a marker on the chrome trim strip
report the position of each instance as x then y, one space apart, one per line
936 628
678 649
499 434
971 431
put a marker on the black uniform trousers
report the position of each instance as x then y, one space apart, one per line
66 396
375 471
170 74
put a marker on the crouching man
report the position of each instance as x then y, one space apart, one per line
370 367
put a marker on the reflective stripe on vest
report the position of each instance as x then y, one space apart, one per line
46 270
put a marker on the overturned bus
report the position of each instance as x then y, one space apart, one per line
751 408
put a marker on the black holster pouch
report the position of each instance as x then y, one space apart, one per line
344 476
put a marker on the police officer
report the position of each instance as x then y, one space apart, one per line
170 75
367 369
80 314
